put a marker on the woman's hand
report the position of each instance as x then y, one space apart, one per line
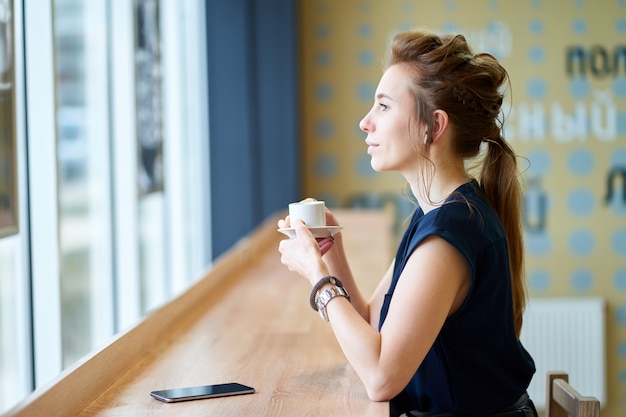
303 254
326 243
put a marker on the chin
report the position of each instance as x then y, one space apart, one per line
378 167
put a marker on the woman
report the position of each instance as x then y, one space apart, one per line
440 335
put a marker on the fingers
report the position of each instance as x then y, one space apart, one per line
326 244
284 223
300 228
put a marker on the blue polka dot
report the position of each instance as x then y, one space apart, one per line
365 31
450 5
579 87
325 166
536 27
621 123
619 86
621 350
618 158
582 280
620 315
325 128
366 91
536 54
536 88
322 59
620 25
580 202
581 242
407 7
539 280
321 8
580 4
580 162
537 4
618 242
364 167
324 92
538 244
540 163
493 5
406 26
322 32
622 377
366 58
620 279
329 199
450 27
579 26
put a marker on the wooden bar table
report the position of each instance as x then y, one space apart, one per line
248 321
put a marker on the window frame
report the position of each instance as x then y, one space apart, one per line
42 190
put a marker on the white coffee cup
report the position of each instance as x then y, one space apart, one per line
312 213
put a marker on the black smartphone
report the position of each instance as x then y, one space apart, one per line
201 392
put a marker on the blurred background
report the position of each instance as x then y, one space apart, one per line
139 140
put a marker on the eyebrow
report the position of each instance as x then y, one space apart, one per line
384 95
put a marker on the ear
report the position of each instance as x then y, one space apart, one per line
440 125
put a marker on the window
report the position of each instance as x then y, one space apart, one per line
15 342
82 127
94 249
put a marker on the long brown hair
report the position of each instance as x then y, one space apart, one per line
447 75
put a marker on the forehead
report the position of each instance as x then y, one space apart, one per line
396 82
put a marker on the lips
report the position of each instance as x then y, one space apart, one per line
370 146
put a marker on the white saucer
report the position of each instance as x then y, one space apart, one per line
317 232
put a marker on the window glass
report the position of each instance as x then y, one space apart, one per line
148 76
84 175
14 328
14 376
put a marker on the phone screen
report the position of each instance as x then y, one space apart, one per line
200 392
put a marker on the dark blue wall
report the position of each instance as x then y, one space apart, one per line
253 114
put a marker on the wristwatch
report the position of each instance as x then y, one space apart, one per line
326 295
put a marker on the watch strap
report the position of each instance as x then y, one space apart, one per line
319 284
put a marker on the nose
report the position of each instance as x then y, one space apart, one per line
366 124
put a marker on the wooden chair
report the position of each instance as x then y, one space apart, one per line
562 400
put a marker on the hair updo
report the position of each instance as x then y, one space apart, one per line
447 75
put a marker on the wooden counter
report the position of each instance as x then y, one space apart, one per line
247 321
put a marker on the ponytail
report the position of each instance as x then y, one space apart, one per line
500 183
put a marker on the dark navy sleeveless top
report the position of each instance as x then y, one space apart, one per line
476 366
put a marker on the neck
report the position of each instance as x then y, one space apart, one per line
444 182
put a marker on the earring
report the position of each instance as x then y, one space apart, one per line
427 139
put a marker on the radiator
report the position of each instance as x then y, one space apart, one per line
567 334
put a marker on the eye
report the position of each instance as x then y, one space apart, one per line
383 107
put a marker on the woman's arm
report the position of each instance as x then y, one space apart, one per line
432 286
